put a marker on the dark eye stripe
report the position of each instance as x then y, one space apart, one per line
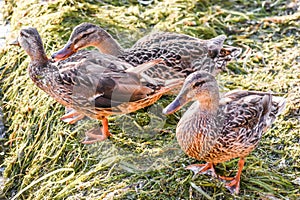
200 83
85 35
23 34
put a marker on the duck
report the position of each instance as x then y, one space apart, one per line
182 54
93 84
217 128
185 54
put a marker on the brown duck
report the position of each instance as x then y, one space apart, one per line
217 129
183 54
95 84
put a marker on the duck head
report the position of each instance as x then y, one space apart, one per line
86 35
30 40
200 86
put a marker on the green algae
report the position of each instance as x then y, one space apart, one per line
45 159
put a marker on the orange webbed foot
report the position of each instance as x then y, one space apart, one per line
225 178
72 117
97 134
234 185
207 168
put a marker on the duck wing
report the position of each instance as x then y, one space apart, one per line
246 116
155 39
102 82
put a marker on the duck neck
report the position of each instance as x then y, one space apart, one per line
209 102
108 45
38 56
40 67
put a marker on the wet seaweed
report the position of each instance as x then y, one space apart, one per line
45 159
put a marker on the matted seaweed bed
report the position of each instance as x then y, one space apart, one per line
43 158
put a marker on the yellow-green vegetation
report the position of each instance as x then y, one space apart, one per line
44 158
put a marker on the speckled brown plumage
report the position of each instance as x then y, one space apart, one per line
217 129
95 84
183 54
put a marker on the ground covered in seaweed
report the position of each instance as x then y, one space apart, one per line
43 158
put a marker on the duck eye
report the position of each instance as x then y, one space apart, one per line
84 35
199 83
22 34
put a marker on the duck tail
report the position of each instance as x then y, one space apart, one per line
217 41
215 45
267 104
266 118
278 105
272 107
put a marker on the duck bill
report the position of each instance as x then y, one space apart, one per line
15 42
175 105
64 53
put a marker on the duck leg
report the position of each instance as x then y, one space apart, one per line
234 185
203 169
93 136
72 117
